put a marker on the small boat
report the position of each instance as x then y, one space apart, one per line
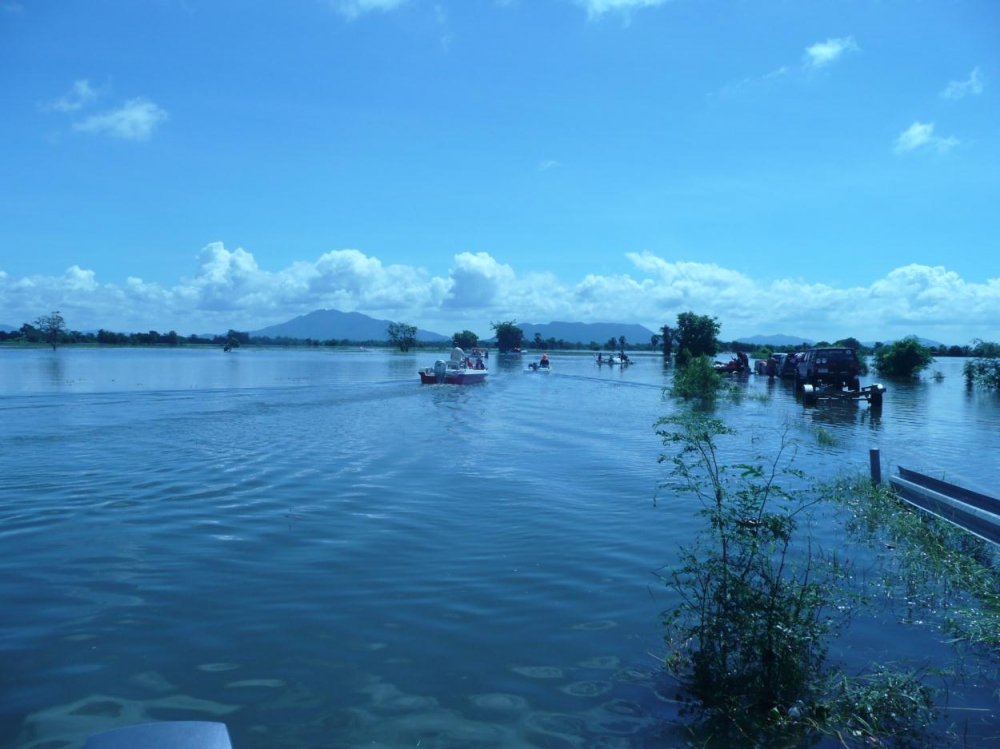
614 360
541 366
737 365
459 369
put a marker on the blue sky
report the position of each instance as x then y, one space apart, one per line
824 169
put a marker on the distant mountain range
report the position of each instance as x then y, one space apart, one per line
788 340
7 329
778 339
586 332
327 324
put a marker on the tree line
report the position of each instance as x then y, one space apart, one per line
693 336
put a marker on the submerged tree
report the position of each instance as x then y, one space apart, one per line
668 340
697 381
984 370
51 329
904 358
401 335
509 336
465 339
696 336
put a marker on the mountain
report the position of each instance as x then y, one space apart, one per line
922 341
327 324
7 329
777 339
582 332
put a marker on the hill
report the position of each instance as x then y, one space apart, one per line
7 329
584 333
331 324
777 339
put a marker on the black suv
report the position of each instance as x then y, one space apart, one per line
829 366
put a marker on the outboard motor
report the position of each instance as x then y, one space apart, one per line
440 367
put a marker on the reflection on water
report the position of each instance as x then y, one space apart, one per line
316 549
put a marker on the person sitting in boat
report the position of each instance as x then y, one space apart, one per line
479 364
545 361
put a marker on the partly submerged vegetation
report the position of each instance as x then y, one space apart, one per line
757 603
904 358
984 369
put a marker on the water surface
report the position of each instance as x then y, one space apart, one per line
317 550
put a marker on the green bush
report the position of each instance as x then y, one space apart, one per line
984 370
698 380
756 606
905 358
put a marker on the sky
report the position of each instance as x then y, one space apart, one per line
819 168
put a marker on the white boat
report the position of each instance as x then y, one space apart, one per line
459 369
614 360
542 366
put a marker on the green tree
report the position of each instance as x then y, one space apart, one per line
904 358
698 381
509 336
401 335
853 343
51 329
696 336
984 370
668 340
465 339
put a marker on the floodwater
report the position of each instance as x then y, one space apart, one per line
315 549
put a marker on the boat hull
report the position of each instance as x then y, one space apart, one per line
470 377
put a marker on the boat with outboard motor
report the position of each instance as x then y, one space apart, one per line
543 365
459 369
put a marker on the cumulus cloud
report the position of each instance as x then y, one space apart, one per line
920 135
135 120
79 96
230 290
351 9
971 86
822 54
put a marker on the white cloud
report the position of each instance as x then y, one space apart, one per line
547 164
230 290
79 96
351 9
135 120
972 86
822 54
478 281
597 8
920 135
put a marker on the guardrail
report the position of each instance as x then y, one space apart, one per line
976 513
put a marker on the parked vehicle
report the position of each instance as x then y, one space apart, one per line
789 365
839 367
